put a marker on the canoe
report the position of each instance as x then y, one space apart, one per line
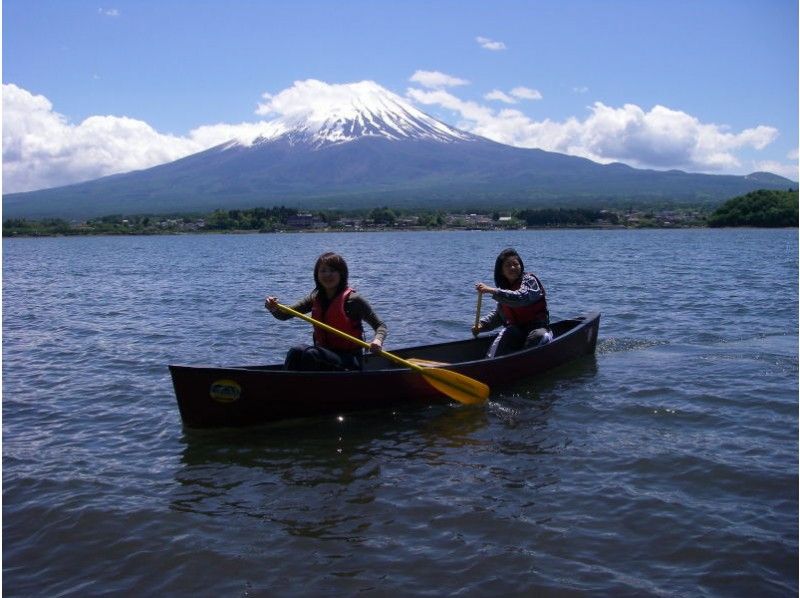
238 396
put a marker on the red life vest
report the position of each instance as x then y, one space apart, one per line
335 316
527 314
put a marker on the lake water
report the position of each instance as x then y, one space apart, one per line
665 465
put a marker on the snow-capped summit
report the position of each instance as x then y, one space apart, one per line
319 114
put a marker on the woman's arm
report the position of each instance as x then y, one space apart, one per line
303 306
529 292
359 308
490 321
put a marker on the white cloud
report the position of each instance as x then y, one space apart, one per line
436 80
471 112
790 171
489 44
525 93
303 100
500 96
108 12
42 149
660 138
582 89
512 97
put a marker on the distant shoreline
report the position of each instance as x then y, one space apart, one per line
760 209
377 230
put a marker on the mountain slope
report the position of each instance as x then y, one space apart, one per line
367 147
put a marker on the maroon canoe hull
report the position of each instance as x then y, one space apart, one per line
237 396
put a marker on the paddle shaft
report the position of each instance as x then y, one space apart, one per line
353 339
452 384
478 310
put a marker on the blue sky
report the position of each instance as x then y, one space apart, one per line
91 88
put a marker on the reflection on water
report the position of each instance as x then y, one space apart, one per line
336 452
331 477
322 478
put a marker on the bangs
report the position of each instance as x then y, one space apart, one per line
335 262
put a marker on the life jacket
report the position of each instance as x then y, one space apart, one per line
526 315
335 316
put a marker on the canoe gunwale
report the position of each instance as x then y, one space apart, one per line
277 369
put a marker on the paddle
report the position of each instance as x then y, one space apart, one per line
456 386
478 314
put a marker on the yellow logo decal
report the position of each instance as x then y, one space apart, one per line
225 391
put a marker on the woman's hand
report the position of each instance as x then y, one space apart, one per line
376 346
271 303
485 289
476 330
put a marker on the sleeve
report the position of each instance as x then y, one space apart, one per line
303 306
491 321
529 292
359 308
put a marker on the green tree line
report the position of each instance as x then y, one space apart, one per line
565 217
764 208
759 208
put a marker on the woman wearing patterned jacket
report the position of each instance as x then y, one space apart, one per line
521 307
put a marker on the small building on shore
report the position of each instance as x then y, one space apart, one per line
301 220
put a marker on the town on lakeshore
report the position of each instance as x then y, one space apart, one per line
766 208
380 219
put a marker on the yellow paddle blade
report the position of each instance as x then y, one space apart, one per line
426 363
456 386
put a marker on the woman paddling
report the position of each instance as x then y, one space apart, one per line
521 307
335 304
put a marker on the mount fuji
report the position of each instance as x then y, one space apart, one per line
364 146
347 113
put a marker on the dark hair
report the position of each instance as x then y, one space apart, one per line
499 279
335 261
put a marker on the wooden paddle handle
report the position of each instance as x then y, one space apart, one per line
478 312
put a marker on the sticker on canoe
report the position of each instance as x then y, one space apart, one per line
225 391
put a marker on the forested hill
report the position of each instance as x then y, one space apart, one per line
764 208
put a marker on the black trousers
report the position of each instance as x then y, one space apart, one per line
310 358
514 337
